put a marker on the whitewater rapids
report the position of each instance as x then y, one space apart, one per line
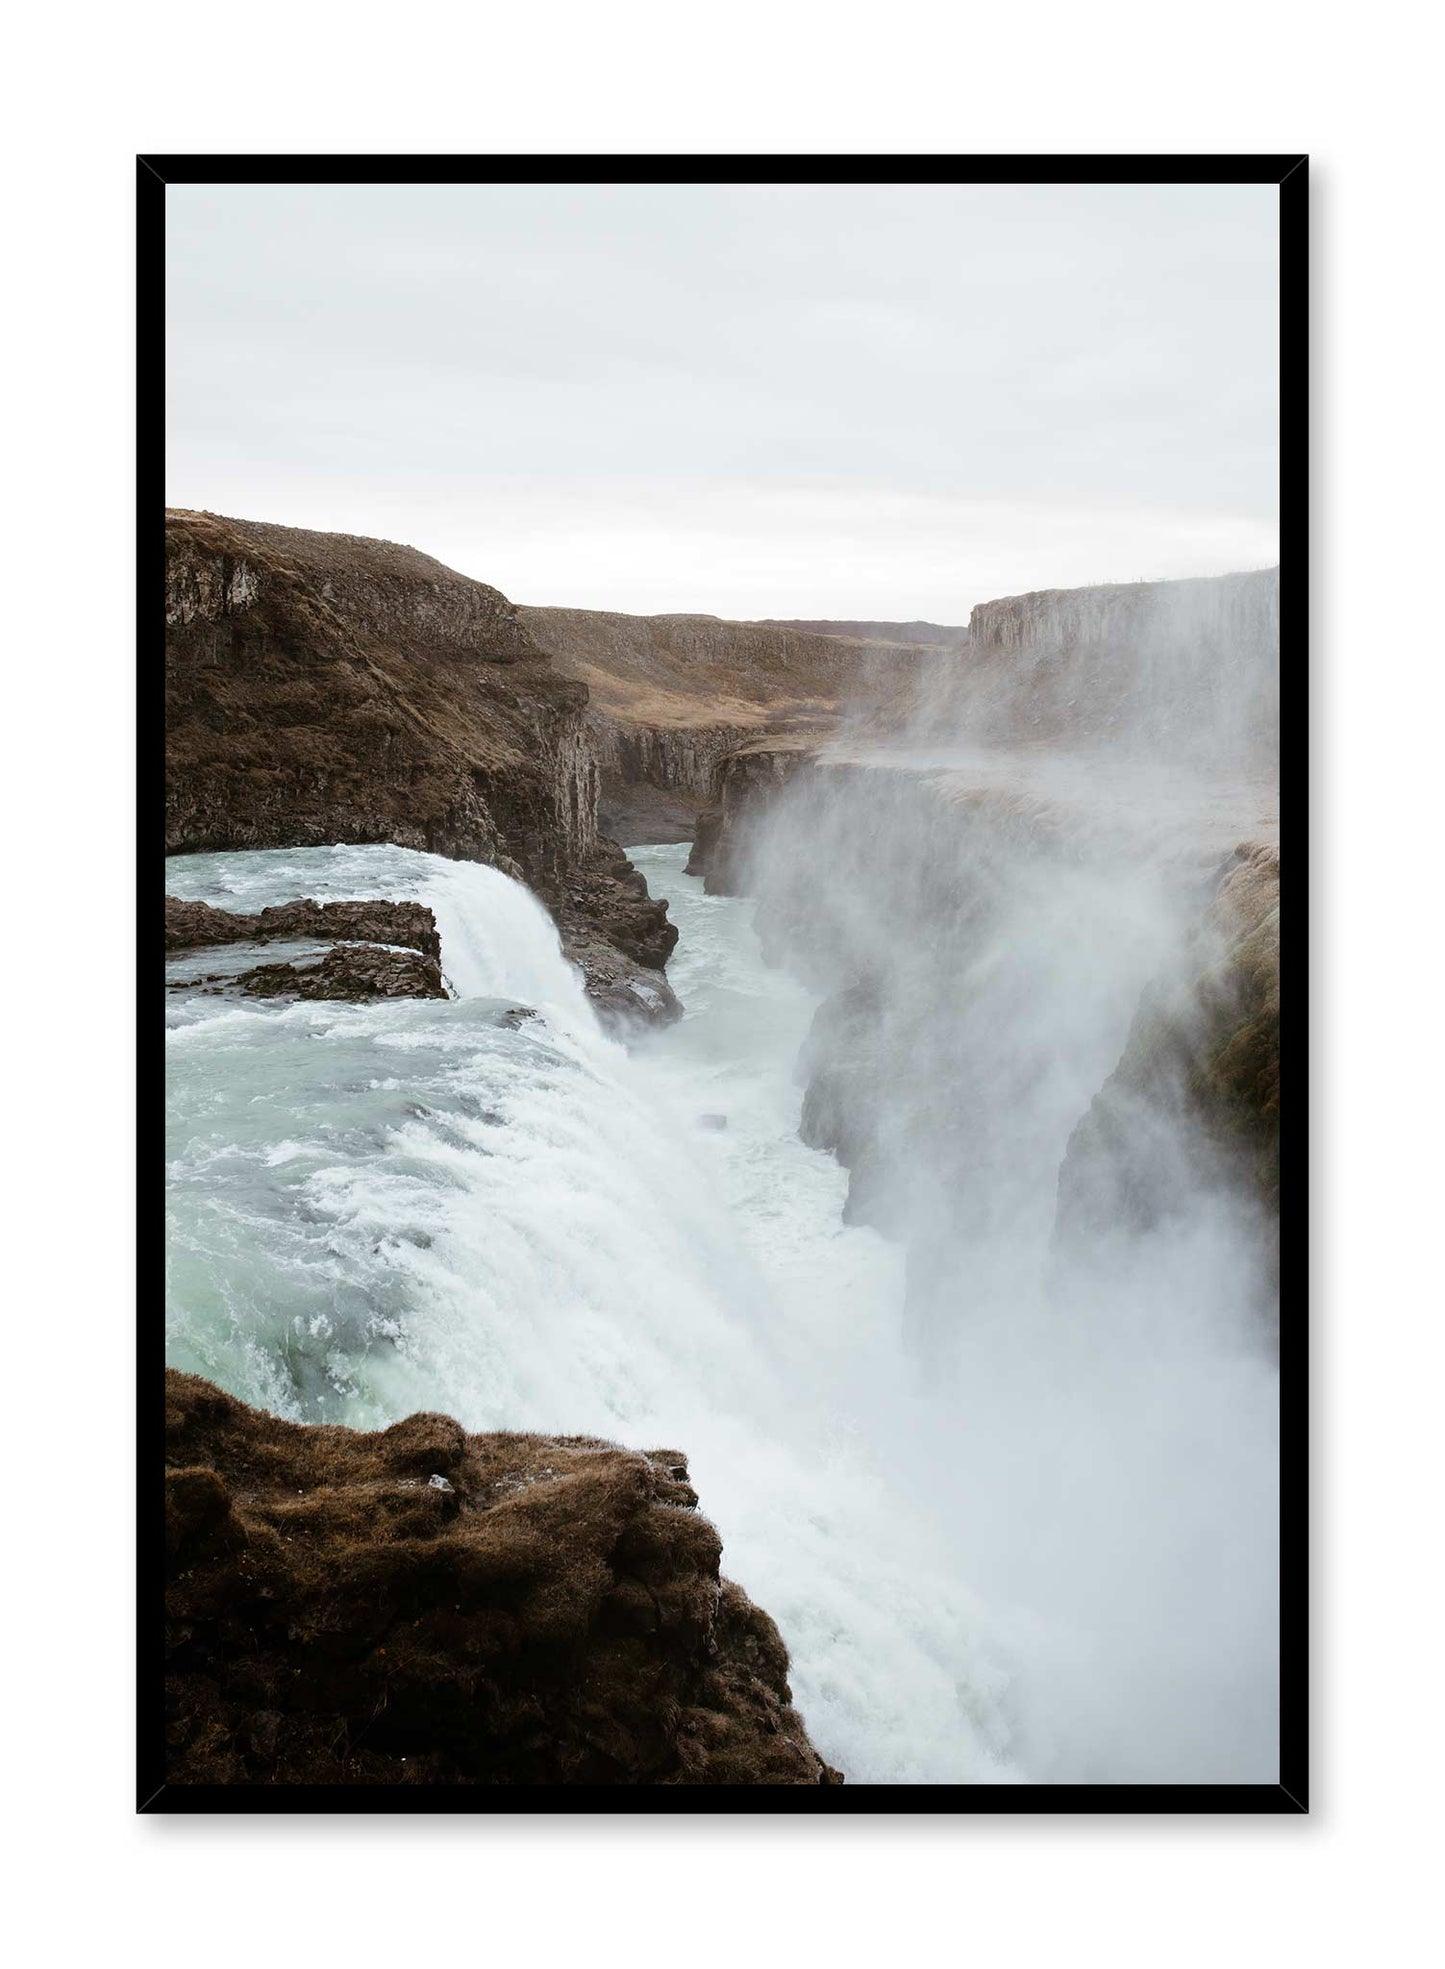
515 1220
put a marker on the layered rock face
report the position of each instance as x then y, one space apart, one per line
672 695
928 635
1033 1024
1041 904
424 1606
323 688
1175 669
655 778
746 787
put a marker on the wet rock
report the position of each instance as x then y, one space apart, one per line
620 939
629 997
358 972
196 924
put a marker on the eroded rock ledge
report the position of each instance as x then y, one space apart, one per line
617 935
193 925
423 1606
355 972
397 954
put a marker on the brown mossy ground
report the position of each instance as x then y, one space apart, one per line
549 1612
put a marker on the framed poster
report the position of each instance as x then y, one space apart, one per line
728 1242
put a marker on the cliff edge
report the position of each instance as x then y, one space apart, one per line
424 1606
321 687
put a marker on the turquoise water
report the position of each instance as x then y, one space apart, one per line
489 1207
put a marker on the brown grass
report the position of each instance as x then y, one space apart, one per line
550 1613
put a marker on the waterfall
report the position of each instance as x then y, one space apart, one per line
381 1208
512 1219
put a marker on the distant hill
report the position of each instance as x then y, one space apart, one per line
938 635
671 695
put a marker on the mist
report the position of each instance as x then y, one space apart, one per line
1003 885
938 1233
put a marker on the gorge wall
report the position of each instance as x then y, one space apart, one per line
671 695
1033 879
1034 1025
322 688
1046 1052
929 635
1042 905
1174 669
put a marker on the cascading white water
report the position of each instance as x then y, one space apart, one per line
413 1204
497 939
416 1204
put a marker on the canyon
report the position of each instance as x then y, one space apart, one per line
1028 872
670 697
1123 735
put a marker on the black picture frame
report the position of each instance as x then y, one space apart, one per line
1290 171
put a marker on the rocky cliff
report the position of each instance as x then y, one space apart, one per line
671 695
1177 675
973 1055
1177 669
324 688
421 1606
1227 615
321 687
746 786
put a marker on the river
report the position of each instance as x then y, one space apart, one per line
488 1207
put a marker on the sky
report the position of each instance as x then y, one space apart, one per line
877 401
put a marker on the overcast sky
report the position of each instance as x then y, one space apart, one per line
878 401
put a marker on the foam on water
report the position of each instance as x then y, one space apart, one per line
418 1204
415 1204
497 939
